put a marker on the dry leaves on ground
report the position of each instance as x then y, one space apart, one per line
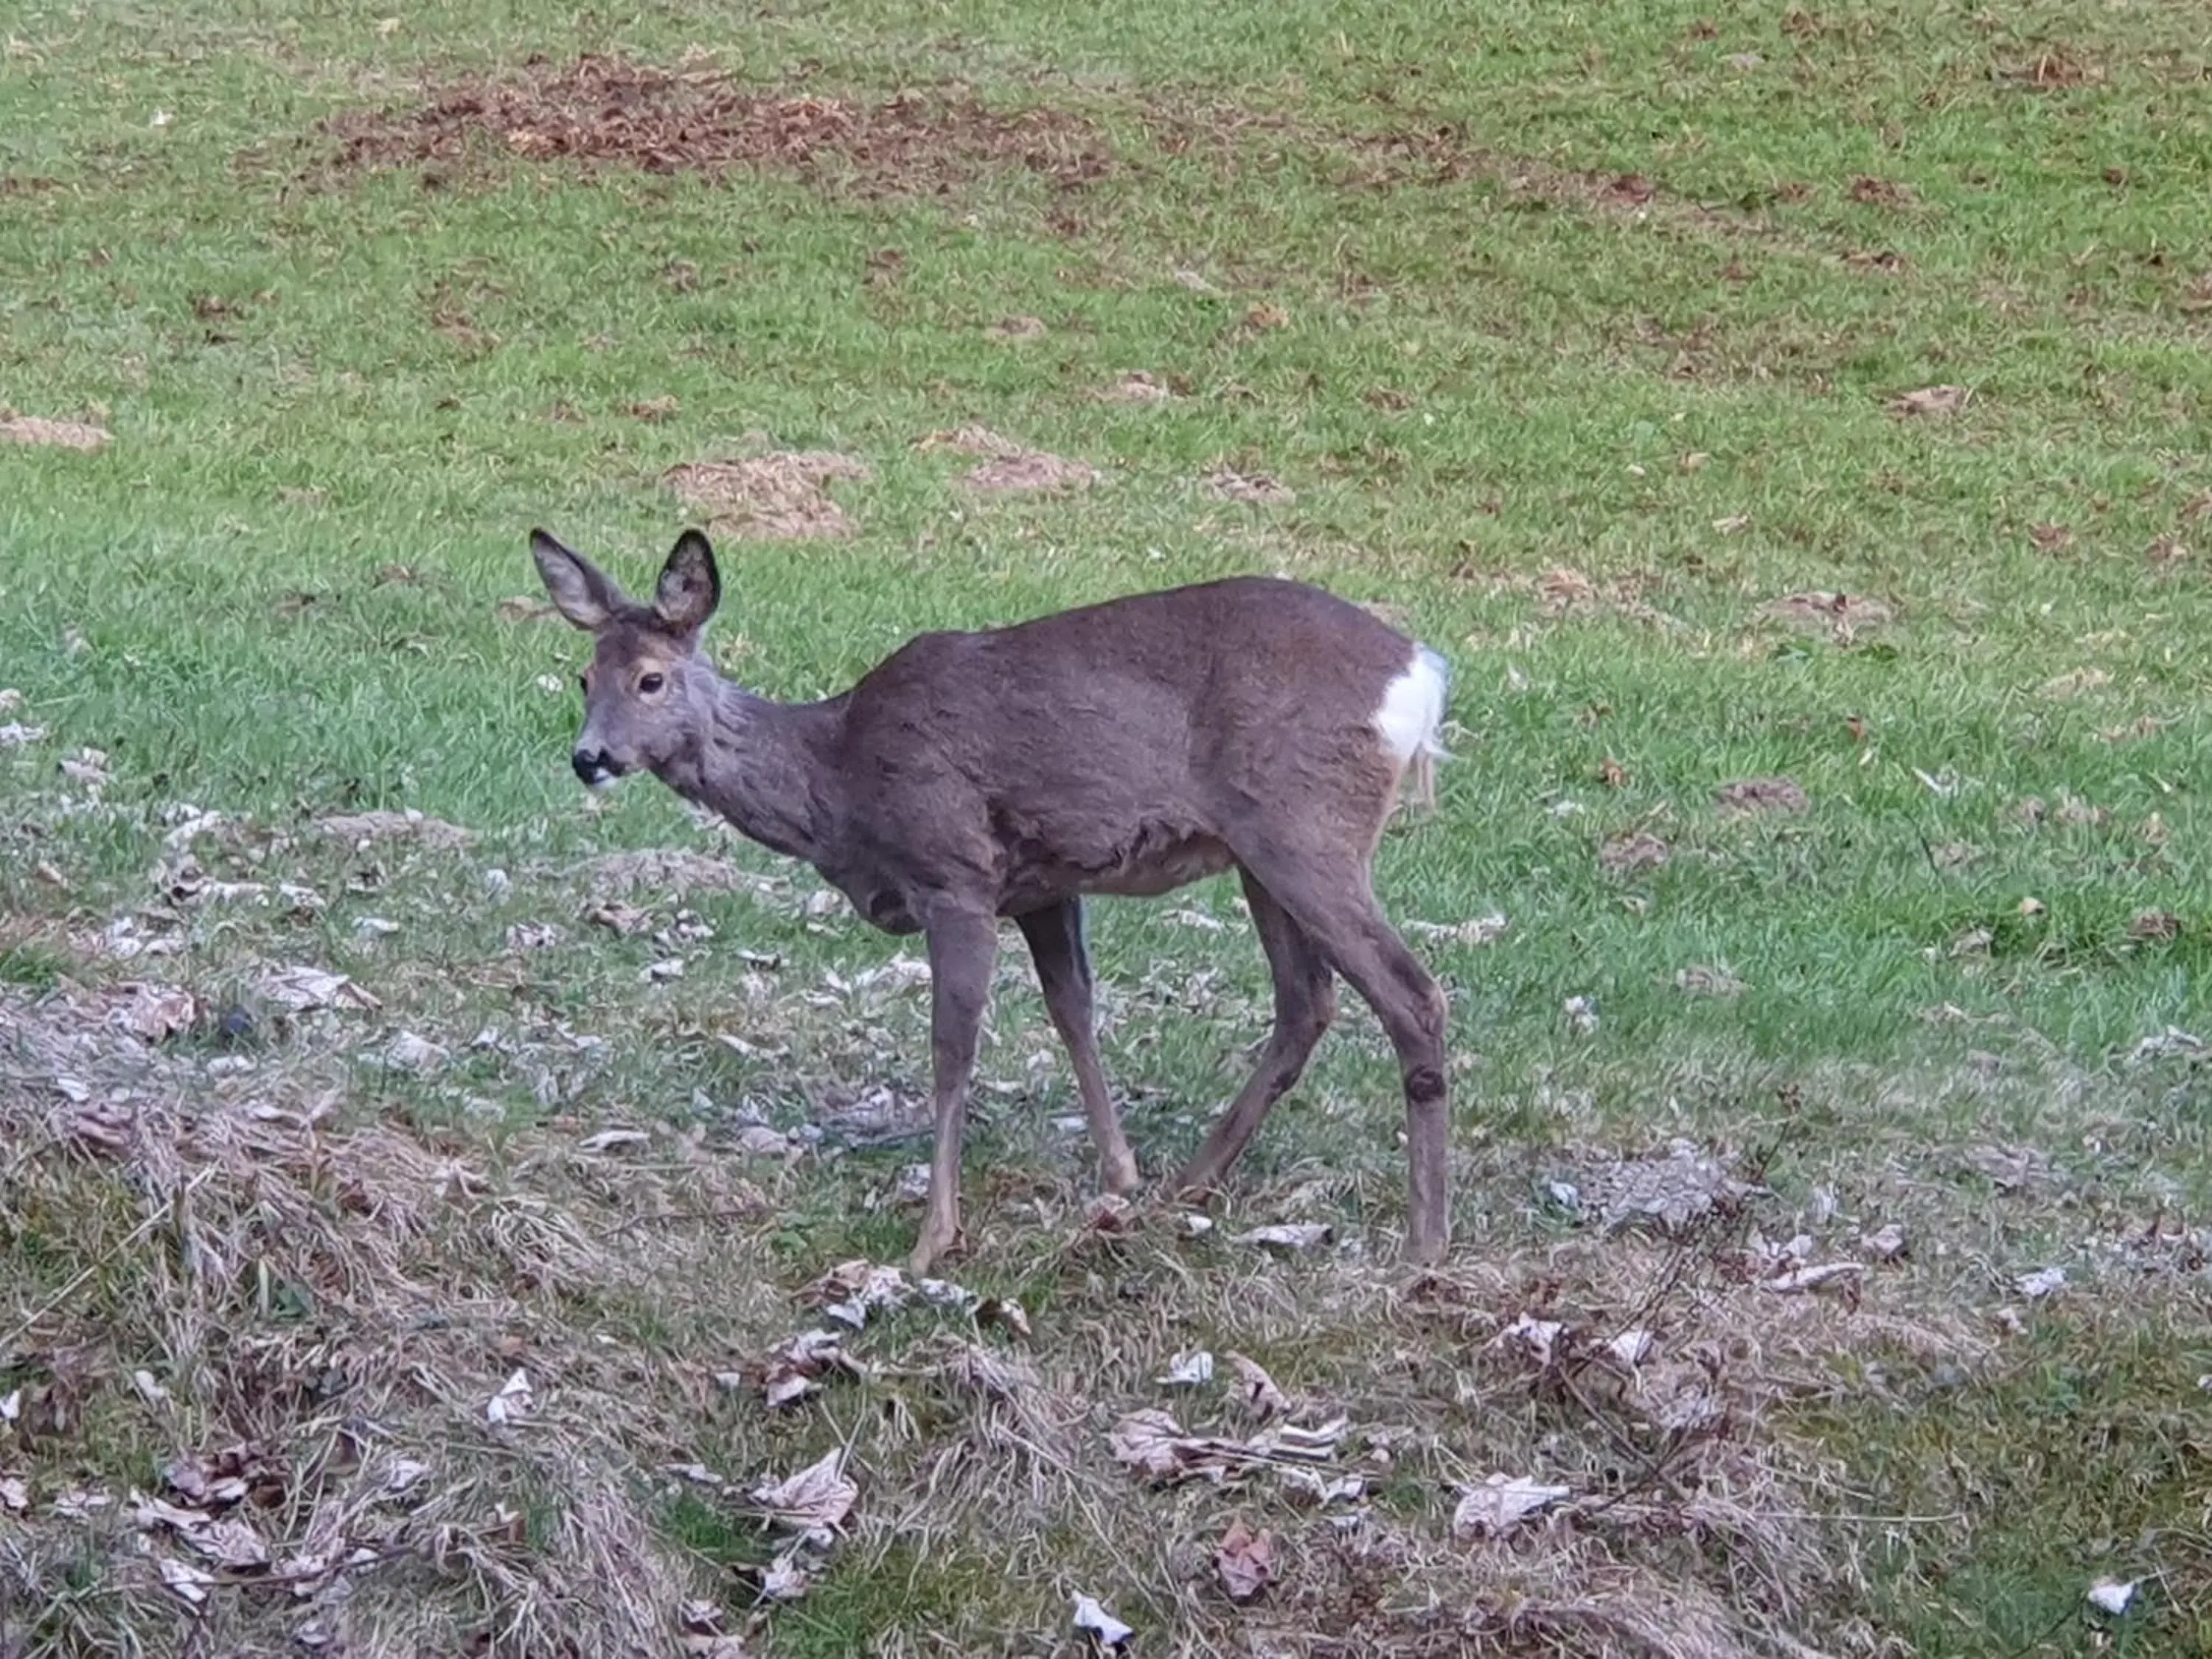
1245 1561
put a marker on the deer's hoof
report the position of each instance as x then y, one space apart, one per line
932 1249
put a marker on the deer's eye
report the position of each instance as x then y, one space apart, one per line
649 684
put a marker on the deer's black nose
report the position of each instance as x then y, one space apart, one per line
592 765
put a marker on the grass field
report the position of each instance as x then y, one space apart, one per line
1732 392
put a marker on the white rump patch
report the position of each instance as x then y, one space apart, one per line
1412 717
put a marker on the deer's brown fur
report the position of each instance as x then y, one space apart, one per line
1128 747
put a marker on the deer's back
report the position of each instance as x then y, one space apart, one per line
1114 748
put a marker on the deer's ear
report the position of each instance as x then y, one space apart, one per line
579 589
689 588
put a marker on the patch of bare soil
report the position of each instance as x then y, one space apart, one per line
780 497
1009 466
58 434
608 109
1749 795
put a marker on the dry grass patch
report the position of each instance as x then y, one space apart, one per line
1009 466
607 109
58 434
782 496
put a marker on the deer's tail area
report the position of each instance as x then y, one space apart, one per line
1411 722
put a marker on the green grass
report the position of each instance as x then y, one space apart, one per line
1387 257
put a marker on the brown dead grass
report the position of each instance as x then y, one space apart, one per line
324 1301
56 435
1010 467
241 1280
781 497
609 110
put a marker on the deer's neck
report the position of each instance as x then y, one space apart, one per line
766 767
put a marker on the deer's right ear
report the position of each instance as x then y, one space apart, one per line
580 591
690 587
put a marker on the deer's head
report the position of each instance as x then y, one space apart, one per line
648 680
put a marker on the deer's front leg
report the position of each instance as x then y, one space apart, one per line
961 945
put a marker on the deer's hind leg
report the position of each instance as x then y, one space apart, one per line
1305 1003
1332 899
1063 965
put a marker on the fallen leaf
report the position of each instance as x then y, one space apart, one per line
1887 1242
1188 1371
301 989
1255 1391
155 1014
1611 774
1540 1337
608 1140
1264 315
795 1370
16 735
1014 329
819 1497
785 1580
2051 538
617 917
409 1051
852 1290
1930 400
2044 1281
1631 1347
1245 1561
512 1402
188 1583
1708 981
1004 1310
1500 1504
15 1494
1090 1617
1287 1235
1581 1014
1799 1279
2112 1595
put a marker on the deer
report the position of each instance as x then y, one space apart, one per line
1252 723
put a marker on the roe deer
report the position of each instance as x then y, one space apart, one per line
1128 747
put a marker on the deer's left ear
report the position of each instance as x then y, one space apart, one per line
689 588
579 591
